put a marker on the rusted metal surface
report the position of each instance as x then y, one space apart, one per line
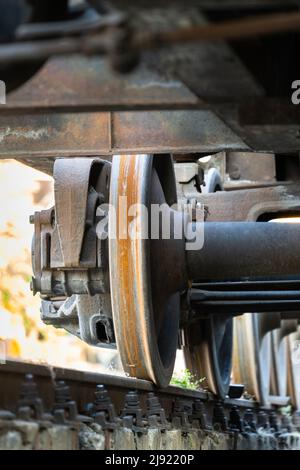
207 77
190 423
212 71
260 168
277 138
65 242
71 186
69 258
54 135
145 303
141 300
171 131
64 402
56 398
82 384
249 204
82 84
129 295
83 387
193 75
89 134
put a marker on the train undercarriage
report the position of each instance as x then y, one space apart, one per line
175 188
116 282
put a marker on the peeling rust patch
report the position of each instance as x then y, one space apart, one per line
37 134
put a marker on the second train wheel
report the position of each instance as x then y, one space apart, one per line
208 343
252 354
279 344
208 352
146 275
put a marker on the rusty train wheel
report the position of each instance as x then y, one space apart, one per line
145 297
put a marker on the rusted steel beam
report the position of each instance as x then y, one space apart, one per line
73 134
54 135
280 139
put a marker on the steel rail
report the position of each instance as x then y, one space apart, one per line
83 386
128 403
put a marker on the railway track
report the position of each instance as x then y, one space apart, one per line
35 392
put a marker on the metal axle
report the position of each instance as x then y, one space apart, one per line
245 250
